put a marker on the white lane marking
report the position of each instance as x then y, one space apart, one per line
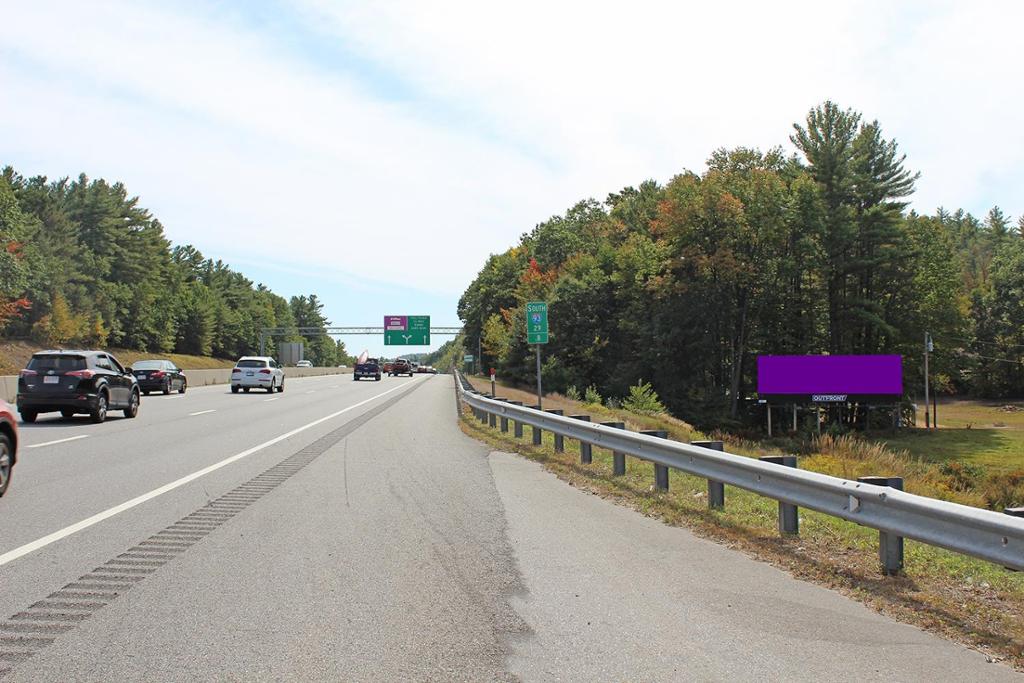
21 551
268 400
50 443
202 412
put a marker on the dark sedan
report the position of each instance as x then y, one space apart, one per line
159 375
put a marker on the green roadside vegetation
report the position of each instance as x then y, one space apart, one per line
14 356
967 600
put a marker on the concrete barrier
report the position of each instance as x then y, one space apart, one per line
196 378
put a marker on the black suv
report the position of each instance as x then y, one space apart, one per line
76 382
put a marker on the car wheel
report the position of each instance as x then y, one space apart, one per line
167 388
273 386
99 413
67 413
234 389
29 416
280 389
245 389
133 406
6 462
184 385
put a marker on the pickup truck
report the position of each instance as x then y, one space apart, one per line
368 369
401 367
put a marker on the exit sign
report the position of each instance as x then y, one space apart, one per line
407 330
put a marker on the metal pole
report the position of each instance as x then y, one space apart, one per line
479 361
769 407
539 392
794 417
927 423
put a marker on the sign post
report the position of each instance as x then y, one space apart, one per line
537 333
493 392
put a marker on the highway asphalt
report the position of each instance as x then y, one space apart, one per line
350 531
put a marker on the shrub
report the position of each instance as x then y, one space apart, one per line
613 403
1005 490
962 476
643 399
592 397
572 393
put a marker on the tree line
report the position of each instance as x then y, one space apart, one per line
83 264
684 284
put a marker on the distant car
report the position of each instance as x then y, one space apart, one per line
73 382
343 366
401 367
304 364
368 369
8 444
389 366
159 375
257 372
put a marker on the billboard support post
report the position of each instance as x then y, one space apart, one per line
794 417
927 422
768 406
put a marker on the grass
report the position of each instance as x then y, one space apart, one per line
987 434
14 355
967 600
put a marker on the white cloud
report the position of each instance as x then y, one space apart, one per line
505 114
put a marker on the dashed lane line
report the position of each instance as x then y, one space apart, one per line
51 443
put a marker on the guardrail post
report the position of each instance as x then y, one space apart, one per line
518 432
618 459
537 432
789 519
503 420
716 489
586 456
890 546
660 471
1014 512
492 419
559 439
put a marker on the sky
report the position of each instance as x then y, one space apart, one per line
377 153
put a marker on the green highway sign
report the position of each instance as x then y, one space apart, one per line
407 330
537 322
467 358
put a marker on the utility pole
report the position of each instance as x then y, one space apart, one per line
927 347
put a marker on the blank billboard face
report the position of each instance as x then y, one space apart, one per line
856 375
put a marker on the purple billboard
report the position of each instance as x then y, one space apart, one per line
830 378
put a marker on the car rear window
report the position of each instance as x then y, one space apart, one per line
149 365
251 364
57 363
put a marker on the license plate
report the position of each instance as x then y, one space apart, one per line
248 374
141 375
51 379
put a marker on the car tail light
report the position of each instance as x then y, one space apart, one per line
157 375
29 373
81 374
265 371
236 371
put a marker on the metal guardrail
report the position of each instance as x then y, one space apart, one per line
984 534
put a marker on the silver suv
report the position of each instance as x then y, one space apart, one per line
257 372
